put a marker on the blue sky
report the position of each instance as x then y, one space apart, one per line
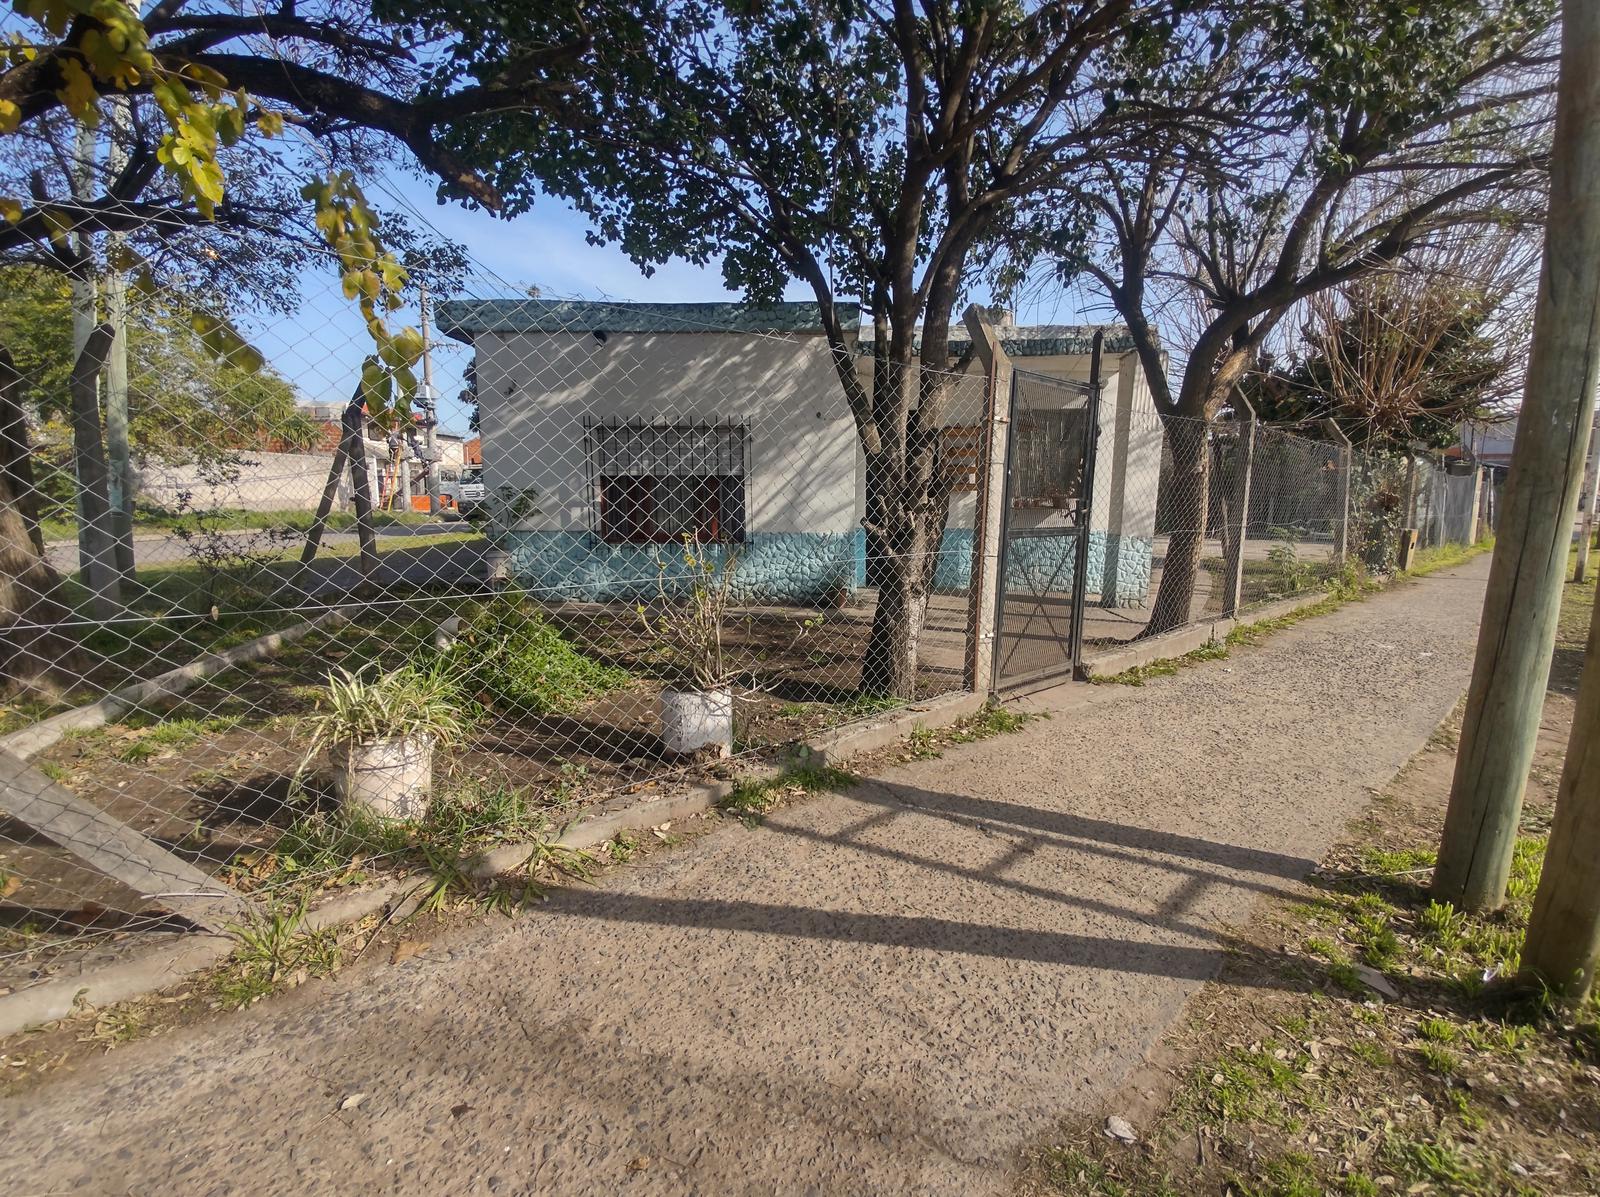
321 347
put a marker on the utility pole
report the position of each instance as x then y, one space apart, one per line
1564 929
430 407
1517 634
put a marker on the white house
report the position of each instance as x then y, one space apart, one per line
615 429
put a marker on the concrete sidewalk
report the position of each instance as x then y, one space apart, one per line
891 991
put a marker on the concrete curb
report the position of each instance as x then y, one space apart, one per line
159 968
32 740
148 973
1198 635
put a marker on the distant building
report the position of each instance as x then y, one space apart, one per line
1485 442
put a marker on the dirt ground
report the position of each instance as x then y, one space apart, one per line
892 989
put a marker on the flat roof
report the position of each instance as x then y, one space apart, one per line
465 318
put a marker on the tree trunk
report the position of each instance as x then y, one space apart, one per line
16 457
907 508
1189 488
1516 637
36 655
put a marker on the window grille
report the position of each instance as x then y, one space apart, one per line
656 483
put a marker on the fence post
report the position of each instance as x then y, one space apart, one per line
1410 523
1341 528
1474 532
1233 586
362 469
1441 504
989 520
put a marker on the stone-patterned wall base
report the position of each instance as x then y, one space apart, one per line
808 568
1046 563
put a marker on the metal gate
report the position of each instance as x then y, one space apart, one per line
1044 543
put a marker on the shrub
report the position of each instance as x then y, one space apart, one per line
1289 574
510 659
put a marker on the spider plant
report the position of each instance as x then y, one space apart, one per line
366 706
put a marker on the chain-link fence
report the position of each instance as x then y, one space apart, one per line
258 649
1226 516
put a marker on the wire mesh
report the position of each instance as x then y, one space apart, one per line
621 548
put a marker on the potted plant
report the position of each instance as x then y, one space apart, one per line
696 711
380 731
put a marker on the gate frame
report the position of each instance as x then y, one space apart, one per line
1072 669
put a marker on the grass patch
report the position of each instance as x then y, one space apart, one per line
274 949
169 736
1068 1170
752 797
995 719
1138 675
235 519
1431 560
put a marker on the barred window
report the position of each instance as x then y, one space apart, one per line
657 483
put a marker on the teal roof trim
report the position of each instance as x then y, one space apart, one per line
1057 340
467 318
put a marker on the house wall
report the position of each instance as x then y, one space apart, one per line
802 523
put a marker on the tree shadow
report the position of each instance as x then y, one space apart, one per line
1091 834
1200 864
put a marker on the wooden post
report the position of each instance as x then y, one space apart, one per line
1406 551
1410 524
95 534
989 521
1341 504
1233 557
1517 635
350 423
361 477
1564 929
1591 490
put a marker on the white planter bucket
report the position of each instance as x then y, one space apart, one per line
388 778
695 719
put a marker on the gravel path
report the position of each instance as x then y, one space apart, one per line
885 992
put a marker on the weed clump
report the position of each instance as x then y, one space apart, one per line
514 661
